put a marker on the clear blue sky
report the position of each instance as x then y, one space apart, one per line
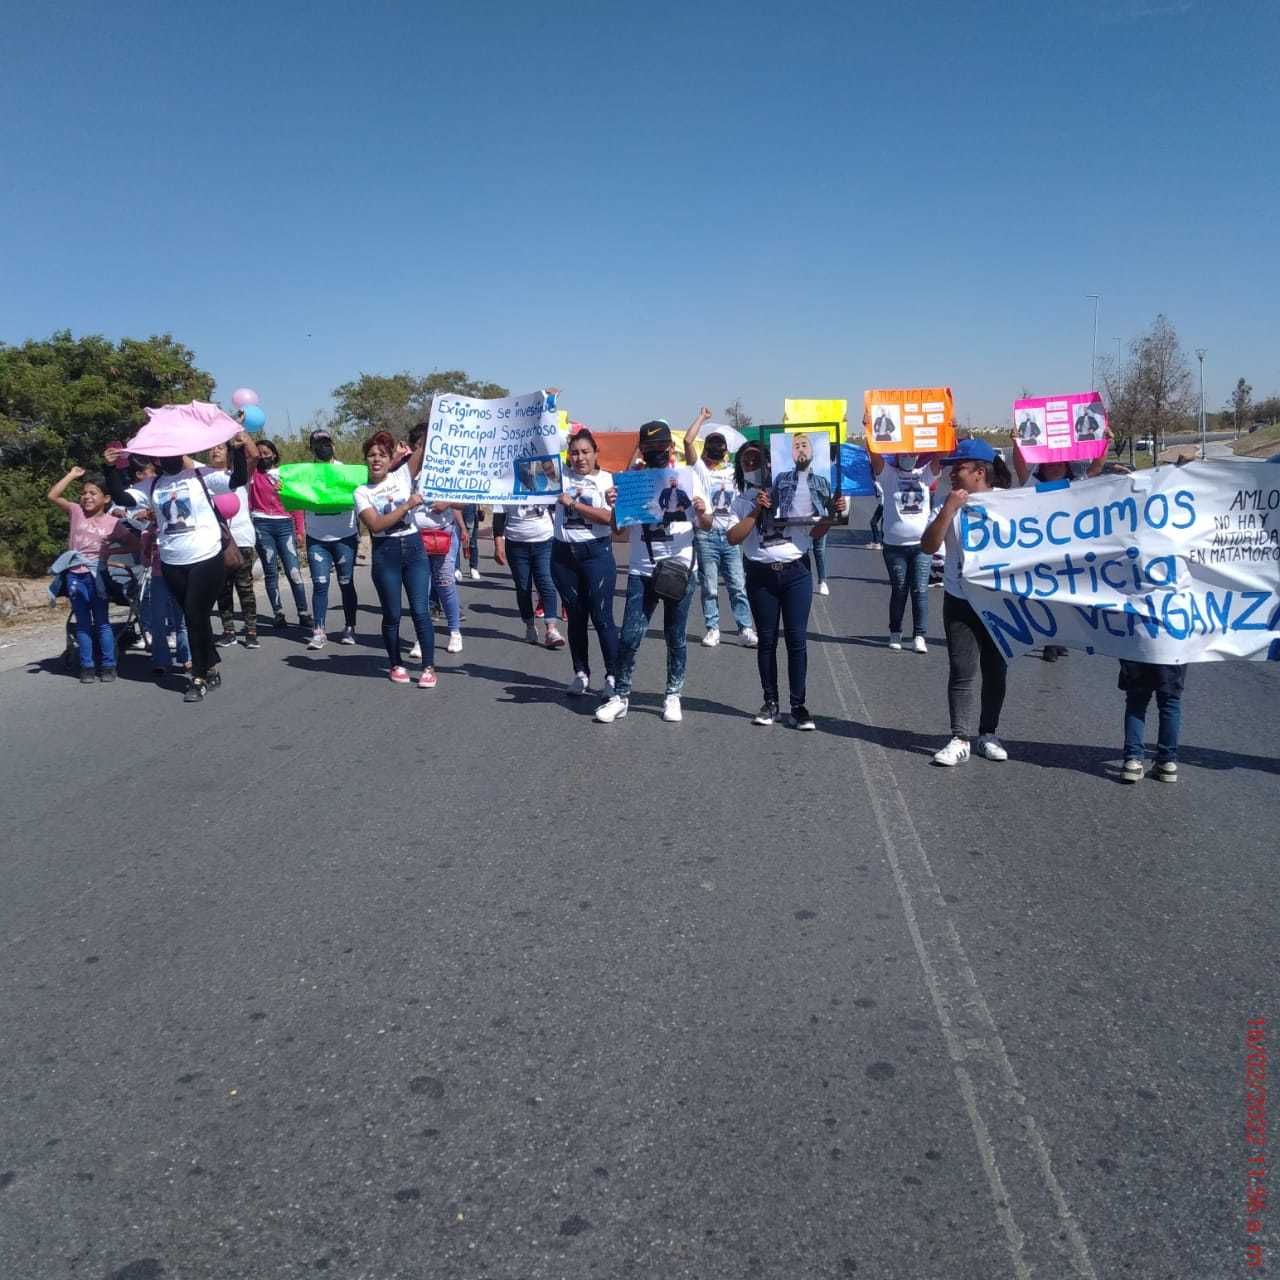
653 205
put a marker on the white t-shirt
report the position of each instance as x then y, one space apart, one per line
426 519
141 502
240 524
674 536
393 491
589 491
906 503
187 529
721 491
528 524
334 527
953 570
772 541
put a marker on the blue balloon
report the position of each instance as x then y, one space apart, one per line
254 418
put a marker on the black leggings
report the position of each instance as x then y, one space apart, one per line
195 587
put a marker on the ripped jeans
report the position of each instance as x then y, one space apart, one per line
275 543
338 556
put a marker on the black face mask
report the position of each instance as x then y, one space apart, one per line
715 452
170 466
656 461
323 449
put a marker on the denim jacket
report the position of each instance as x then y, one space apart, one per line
64 564
784 491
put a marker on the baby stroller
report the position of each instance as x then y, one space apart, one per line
127 585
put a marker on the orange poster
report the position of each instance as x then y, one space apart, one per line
911 420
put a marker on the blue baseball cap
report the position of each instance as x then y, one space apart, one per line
972 450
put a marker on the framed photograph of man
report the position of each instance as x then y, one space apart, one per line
537 476
796 454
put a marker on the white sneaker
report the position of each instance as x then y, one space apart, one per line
457 575
580 684
895 640
475 575
823 589
671 712
749 638
919 645
1133 771
531 633
348 636
712 638
955 752
612 710
989 747
554 639
416 652
318 640
455 642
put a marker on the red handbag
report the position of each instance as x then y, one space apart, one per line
436 542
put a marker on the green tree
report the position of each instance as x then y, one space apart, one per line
394 402
62 400
1238 404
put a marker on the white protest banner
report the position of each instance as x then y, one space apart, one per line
1172 565
502 451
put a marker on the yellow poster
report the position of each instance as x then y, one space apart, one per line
805 411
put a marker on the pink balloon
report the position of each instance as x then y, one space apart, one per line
226 505
242 396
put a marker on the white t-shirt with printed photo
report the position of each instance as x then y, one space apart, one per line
772 541
240 524
187 529
527 523
673 538
589 490
906 503
392 491
722 489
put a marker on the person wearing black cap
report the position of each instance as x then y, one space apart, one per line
975 468
661 557
331 549
711 549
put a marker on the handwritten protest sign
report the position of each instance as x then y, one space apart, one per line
640 493
492 451
1060 428
1173 565
856 480
807 411
913 420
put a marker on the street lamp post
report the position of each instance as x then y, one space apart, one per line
1200 351
1093 356
1115 391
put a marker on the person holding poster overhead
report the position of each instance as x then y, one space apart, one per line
975 468
661 570
779 583
582 561
904 482
711 548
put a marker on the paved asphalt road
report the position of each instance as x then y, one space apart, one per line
327 975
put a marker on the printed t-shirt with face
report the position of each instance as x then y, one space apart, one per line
772 541
392 491
906 503
528 523
589 491
674 536
721 491
90 534
240 524
187 529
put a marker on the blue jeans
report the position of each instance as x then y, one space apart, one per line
276 542
340 557
642 601
402 564
163 616
877 523
585 575
92 620
531 563
442 586
470 518
780 600
820 557
1169 705
908 568
713 553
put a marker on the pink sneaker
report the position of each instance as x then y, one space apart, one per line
427 680
399 675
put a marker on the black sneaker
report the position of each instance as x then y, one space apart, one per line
767 714
251 641
88 675
213 680
195 691
280 620
107 675
801 719
1050 654
226 639
306 622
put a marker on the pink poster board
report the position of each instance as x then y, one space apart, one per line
1060 428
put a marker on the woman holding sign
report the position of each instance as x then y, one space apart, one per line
975 468
779 583
385 507
905 483
582 561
